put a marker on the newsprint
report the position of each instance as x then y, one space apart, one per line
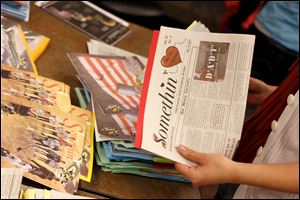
195 92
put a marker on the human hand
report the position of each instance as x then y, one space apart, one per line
210 169
258 91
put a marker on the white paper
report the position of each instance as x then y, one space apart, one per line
197 92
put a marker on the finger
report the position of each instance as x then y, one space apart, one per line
192 155
254 84
185 170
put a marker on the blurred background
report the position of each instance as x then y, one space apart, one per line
177 14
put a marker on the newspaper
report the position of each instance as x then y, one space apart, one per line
194 93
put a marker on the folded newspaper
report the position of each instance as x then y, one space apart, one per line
194 92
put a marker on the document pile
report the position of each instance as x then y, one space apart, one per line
110 79
41 132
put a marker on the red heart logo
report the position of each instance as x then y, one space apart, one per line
171 58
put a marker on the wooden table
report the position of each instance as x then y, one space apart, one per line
55 64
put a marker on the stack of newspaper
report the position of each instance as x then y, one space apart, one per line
112 80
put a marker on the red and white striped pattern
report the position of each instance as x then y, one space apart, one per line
127 126
109 73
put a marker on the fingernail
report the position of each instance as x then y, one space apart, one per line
181 148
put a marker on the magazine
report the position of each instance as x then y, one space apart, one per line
90 19
14 48
112 81
49 150
37 89
194 92
87 155
16 9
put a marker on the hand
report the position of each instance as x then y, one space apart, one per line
258 91
210 168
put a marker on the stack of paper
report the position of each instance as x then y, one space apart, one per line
17 9
111 86
42 133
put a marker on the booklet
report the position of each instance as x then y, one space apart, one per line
194 92
87 155
38 89
90 19
112 81
44 141
14 48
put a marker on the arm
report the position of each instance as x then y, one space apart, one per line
216 169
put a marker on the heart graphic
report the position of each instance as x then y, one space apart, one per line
171 58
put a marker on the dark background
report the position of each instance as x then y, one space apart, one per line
177 14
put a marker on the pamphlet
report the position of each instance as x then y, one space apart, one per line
44 141
194 92
14 48
90 19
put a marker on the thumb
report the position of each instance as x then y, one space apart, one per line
192 155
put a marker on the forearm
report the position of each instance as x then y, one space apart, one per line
281 177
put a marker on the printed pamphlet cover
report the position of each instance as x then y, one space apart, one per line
116 96
44 141
14 48
194 92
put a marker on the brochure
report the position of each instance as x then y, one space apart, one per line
194 92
